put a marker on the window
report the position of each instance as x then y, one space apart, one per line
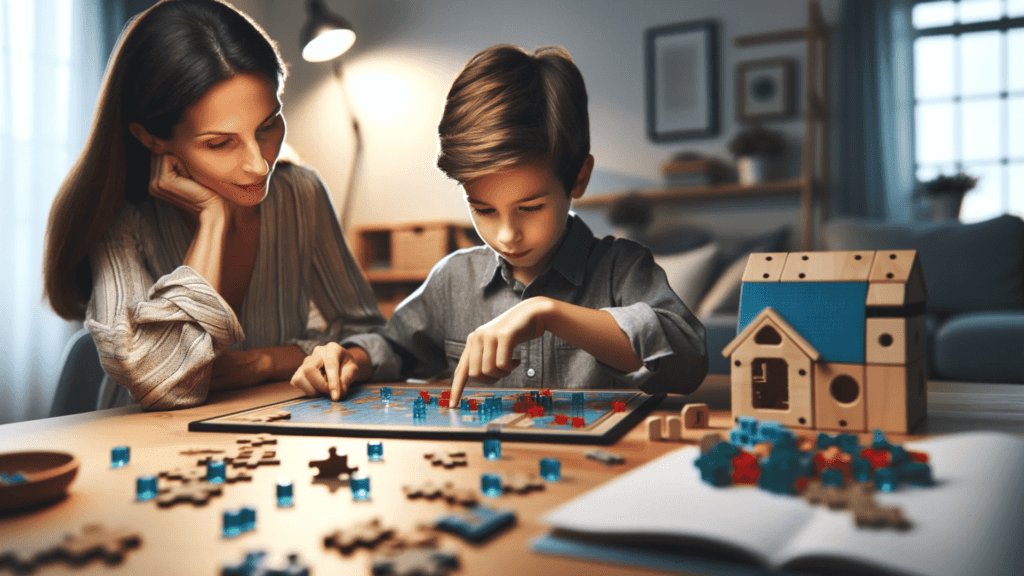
969 99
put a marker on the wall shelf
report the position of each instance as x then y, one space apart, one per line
677 195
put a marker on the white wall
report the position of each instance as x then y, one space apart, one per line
408 52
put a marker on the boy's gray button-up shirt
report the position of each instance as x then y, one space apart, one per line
468 288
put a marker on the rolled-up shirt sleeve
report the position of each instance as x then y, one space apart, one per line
156 337
664 333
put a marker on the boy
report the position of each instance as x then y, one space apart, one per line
545 303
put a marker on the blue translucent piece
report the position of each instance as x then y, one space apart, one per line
545 402
247 516
535 396
232 523
879 441
119 456
490 485
832 477
492 448
215 472
550 469
861 469
476 524
464 406
145 488
433 401
916 473
419 408
285 492
577 398
375 450
886 479
360 484
385 393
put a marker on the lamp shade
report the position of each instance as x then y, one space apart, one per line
325 35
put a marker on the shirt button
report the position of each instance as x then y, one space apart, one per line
531 372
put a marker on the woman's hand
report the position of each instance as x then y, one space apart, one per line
331 369
169 181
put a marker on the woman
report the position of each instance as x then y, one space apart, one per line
191 254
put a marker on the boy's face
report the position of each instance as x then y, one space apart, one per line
521 213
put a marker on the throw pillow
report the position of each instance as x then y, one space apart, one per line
689 272
724 295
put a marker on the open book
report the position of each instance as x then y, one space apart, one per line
662 515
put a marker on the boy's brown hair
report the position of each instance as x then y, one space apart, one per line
509 106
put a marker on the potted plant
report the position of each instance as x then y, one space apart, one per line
945 194
755 149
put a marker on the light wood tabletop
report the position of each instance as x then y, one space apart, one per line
187 539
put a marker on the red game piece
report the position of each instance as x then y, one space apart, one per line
472 404
578 422
801 483
878 458
561 419
447 394
745 468
443 402
519 407
618 406
535 411
425 395
921 457
545 392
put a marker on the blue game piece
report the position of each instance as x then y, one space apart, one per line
545 402
490 485
464 406
550 469
916 473
886 479
385 393
577 398
832 477
247 518
215 472
360 484
232 523
255 565
285 492
419 408
860 468
477 524
119 456
780 471
375 450
879 441
492 448
433 401
535 396
848 443
145 488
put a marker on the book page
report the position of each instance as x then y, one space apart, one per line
970 522
667 498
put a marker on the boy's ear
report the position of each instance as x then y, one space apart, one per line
155 145
583 178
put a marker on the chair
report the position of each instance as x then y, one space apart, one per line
78 386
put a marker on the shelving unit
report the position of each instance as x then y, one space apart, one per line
813 183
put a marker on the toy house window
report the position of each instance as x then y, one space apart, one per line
768 336
969 99
769 383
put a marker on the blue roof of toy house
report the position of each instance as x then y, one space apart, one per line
829 315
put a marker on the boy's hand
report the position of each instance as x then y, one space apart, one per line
330 369
488 353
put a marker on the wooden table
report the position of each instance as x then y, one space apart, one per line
186 539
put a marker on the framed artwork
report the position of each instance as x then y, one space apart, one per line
765 89
682 80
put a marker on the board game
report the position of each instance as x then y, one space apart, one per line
566 416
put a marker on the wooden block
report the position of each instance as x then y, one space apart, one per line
828 266
896 267
886 294
839 397
895 340
897 396
893 266
654 428
675 428
695 416
764 267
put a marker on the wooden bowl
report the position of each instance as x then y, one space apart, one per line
48 476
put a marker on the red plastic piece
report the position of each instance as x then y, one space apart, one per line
446 394
918 456
425 395
578 422
878 458
561 419
472 404
545 392
801 483
745 469
519 407
443 403
618 406
535 411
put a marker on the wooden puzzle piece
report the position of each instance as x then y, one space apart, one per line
184 474
419 536
334 465
255 564
448 491
521 483
605 457
95 541
256 441
446 459
272 417
859 499
367 534
251 460
416 562
198 493
200 451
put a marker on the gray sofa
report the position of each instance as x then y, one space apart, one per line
975 279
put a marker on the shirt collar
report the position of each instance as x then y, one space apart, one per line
570 259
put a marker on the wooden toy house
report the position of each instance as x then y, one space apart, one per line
831 340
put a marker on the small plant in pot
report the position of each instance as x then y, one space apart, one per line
945 194
756 149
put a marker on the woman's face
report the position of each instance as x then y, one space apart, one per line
229 140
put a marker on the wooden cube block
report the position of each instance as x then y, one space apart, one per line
654 428
828 266
894 340
897 396
839 397
695 416
764 267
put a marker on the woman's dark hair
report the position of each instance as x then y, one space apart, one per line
165 60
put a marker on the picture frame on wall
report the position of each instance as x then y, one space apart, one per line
766 89
682 80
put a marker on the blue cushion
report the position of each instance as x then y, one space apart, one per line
981 346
